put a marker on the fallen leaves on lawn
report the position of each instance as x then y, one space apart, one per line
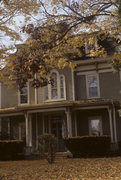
62 169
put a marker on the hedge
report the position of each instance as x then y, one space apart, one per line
85 146
11 149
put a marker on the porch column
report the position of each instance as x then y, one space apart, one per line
43 124
28 122
69 123
36 132
111 124
30 131
115 129
8 126
0 125
75 121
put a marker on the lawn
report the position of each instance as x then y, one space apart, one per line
62 169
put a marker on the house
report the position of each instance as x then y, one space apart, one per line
82 102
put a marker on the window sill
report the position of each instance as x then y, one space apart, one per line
51 100
96 97
23 104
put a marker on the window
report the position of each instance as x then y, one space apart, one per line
92 86
95 126
61 87
56 90
23 95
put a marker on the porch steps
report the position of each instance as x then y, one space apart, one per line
37 156
61 155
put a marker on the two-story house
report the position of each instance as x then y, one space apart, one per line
82 102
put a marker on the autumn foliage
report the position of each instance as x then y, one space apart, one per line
59 36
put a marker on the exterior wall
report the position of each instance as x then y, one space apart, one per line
80 87
83 121
41 94
9 96
31 94
110 85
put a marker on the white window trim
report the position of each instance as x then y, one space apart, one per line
58 88
98 87
95 118
28 92
64 86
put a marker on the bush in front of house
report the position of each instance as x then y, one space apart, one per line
47 147
119 147
88 146
11 149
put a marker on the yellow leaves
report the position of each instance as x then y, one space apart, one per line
72 65
116 61
62 63
63 169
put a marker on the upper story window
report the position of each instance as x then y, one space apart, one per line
92 82
23 95
56 90
54 86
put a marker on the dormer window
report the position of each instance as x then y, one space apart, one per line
23 95
56 90
90 46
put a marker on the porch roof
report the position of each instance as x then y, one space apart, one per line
60 104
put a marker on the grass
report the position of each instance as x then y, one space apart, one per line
62 169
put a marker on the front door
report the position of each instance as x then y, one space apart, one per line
56 129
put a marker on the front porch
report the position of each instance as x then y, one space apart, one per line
63 119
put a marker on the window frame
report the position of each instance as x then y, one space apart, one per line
87 86
28 95
54 88
95 118
58 88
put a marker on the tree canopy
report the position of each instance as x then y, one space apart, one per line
10 13
59 36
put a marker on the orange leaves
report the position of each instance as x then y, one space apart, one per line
63 169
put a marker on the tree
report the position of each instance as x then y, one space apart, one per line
10 10
59 37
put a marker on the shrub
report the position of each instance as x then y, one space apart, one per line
119 146
85 146
11 149
47 146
